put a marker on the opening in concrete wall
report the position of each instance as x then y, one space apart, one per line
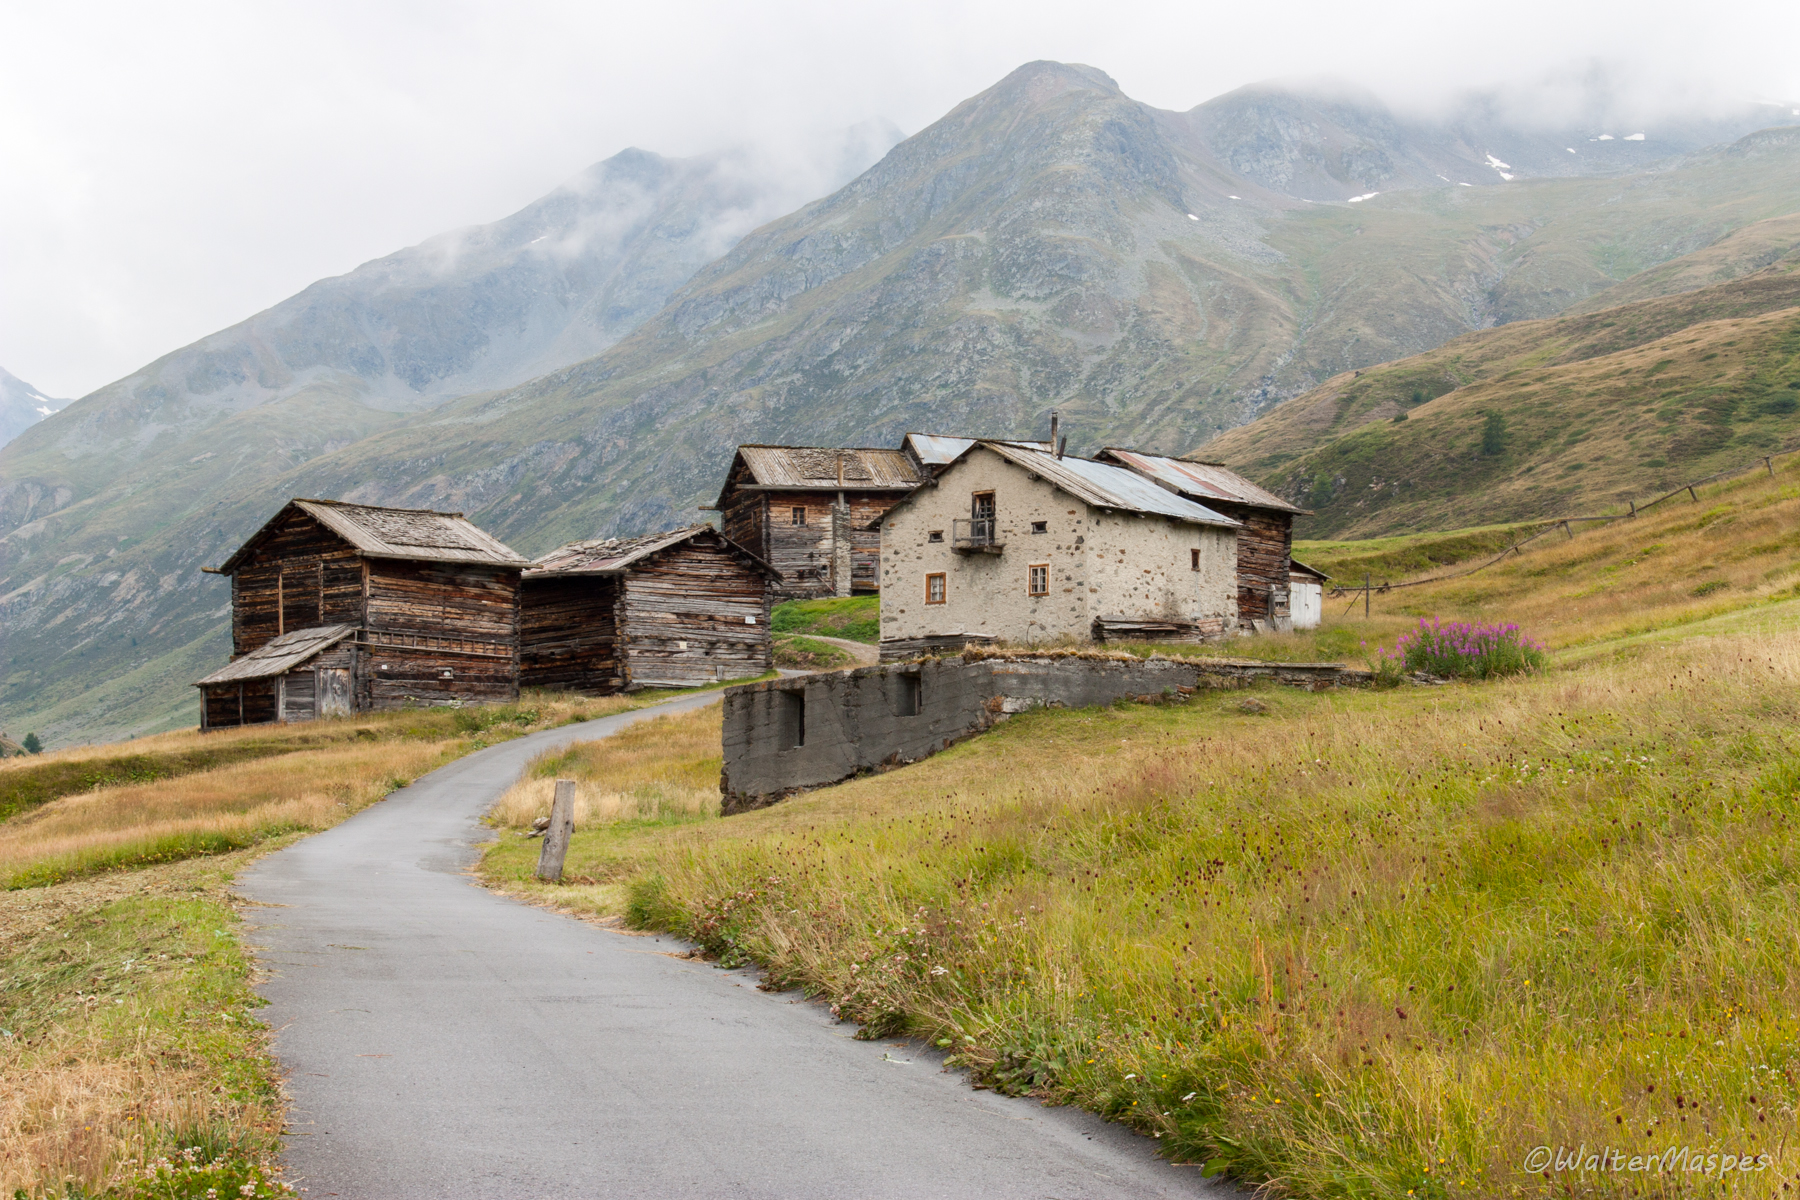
909 699
793 720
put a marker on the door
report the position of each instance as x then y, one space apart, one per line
334 691
981 518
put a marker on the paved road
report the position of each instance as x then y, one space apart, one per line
444 1042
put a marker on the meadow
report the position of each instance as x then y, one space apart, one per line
1359 943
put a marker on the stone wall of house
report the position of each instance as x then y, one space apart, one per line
1100 563
788 735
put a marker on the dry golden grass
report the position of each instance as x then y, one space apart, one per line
664 768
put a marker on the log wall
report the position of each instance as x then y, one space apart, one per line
303 575
763 523
1264 557
694 614
568 634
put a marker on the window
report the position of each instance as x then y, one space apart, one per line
799 515
909 696
791 719
1039 584
1194 559
934 588
1040 527
936 535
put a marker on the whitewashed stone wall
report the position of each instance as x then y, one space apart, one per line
1101 563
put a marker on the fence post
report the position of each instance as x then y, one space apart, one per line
1365 597
1769 465
1634 508
1691 495
556 838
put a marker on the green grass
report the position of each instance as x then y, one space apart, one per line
856 618
128 1032
807 654
1400 557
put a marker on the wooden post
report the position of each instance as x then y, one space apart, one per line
1769 465
556 838
1365 597
1568 531
1691 495
1634 508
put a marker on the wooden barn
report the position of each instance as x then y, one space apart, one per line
808 512
340 608
1265 543
675 609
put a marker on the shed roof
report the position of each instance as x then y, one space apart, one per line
1296 567
1102 485
1199 480
281 655
614 556
410 533
829 468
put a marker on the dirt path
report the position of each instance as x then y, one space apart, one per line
442 1041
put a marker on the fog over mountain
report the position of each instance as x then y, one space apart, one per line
21 406
1159 276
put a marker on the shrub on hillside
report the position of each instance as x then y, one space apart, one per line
1467 650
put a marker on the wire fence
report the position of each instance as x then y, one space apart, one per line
1552 524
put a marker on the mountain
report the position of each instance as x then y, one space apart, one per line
22 406
1569 416
1048 243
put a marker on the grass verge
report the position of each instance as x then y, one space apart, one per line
856 618
1346 944
807 654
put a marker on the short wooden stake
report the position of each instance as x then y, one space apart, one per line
556 838
1769 465
1691 495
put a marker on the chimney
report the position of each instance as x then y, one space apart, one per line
1053 423
1062 445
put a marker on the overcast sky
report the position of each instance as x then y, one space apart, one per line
172 168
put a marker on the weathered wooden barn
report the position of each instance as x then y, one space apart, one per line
675 609
807 511
339 608
1264 543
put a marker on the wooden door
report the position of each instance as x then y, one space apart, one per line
334 691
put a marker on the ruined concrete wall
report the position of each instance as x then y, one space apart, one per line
788 735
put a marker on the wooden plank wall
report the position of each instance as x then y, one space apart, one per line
396 677
303 575
428 619
682 617
567 634
223 703
1264 554
865 542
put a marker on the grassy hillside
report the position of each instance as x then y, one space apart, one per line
1366 944
1539 419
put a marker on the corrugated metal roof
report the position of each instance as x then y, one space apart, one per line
1203 481
281 655
940 450
410 533
1107 486
828 467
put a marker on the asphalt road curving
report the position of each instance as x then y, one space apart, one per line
441 1041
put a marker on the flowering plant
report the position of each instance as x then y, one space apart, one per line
1466 650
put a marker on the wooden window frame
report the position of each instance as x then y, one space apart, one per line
1030 572
797 516
1194 557
943 579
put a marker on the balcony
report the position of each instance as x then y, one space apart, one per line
978 536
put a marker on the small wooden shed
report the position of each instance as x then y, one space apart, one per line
676 609
354 608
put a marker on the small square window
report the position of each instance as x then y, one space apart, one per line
1039 580
936 535
1040 527
934 588
799 516
1195 559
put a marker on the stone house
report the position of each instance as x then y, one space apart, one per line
1265 541
1019 544
677 609
339 608
807 511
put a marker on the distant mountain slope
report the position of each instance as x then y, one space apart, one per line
1050 242
1591 411
22 406
1742 252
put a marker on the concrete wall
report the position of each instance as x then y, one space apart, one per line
1101 563
788 735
